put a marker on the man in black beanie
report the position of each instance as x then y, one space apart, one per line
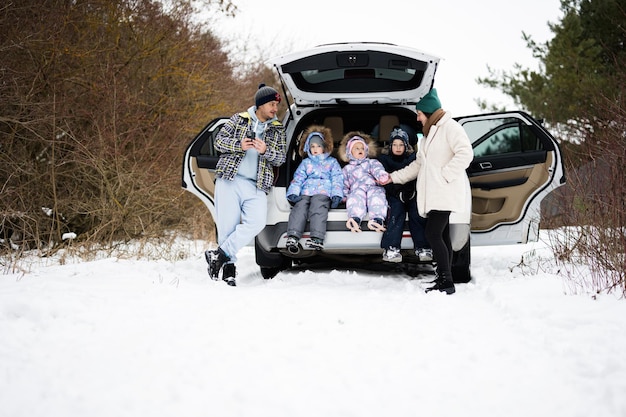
251 144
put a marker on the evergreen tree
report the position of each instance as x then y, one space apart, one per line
580 64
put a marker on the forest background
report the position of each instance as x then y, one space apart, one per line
98 100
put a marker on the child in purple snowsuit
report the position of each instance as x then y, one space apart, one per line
316 187
361 178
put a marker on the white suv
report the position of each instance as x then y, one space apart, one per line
373 87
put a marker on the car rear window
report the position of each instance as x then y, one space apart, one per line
356 71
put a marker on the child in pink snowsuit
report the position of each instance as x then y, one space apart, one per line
361 177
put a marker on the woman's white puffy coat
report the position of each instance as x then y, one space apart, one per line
442 158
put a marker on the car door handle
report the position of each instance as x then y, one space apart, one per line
485 165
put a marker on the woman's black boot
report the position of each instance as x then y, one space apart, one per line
443 283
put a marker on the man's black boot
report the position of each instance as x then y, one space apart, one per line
216 258
229 274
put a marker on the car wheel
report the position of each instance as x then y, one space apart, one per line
461 264
269 272
270 263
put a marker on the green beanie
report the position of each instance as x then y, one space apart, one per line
429 103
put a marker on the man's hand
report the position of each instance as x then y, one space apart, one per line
247 143
257 144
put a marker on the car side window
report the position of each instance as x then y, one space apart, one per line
207 147
501 136
206 138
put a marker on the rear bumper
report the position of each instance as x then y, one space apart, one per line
339 240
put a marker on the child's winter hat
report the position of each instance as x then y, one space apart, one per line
352 141
316 137
398 133
264 95
429 103
352 137
314 133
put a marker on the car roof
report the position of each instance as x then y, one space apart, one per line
357 73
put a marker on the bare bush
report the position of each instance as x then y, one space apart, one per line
594 201
98 100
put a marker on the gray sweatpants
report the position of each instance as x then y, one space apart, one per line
312 208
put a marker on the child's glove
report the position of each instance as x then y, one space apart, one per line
293 199
334 201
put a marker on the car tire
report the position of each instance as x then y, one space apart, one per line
461 261
269 272
270 263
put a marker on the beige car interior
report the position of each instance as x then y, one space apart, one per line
204 177
490 207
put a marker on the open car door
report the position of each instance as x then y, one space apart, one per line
516 164
199 163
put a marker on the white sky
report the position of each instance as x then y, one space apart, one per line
468 35
119 337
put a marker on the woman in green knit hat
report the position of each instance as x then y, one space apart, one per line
444 153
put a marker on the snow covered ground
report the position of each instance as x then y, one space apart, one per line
117 338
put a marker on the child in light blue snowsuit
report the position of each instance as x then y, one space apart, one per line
361 177
316 187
